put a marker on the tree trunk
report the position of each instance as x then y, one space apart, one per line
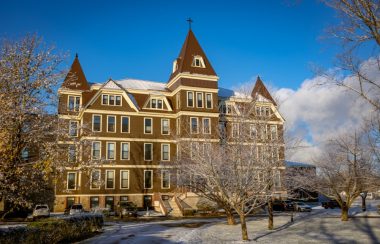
344 216
230 217
270 214
244 232
363 196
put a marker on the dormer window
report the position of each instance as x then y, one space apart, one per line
175 66
198 62
156 103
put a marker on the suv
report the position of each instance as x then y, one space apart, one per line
76 208
128 209
288 205
332 203
41 210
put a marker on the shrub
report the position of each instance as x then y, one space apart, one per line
54 230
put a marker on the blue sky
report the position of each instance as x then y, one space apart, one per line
277 40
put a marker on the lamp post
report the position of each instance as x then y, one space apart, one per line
363 195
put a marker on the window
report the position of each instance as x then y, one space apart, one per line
25 153
148 179
198 62
94 202
190 99
165 152
148 126
73 128
178 98
71 180
111 123
165 179
74 103
277 178
110 203
252 131
95 179
124 124
72 153
70 201
206 126
207 151
199 100
165 126
96 123
178 126
96 150
194 125
124 179
148 151
110 179
154 103
159 104
235 130
104 99
273 132
124 151
275 156
110 150
194 149
112 100
123 198
208 100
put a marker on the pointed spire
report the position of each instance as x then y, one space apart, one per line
260 89
191 49
75 79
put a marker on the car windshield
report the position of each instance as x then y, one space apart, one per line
77 207
41 207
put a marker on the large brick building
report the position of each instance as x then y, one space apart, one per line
132 127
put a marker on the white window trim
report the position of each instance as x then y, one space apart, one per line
178 98
151 125
121 124
201 62
209 125
163 127
151 176
115 123
75 151
270 129
162 152
101 118
232 130
121 150
178 125
121 178
108 100
191 148
191 126
100 150
151 151
100 179
162 179
212 104
67 180
77 130
106 179
68 103
196 94
114 153
187 99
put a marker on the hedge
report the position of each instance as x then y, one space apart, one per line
54 230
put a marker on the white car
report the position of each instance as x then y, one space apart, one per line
40 211
76 208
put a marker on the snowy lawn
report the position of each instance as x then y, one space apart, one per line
319 226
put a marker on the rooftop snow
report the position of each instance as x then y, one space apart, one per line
141 84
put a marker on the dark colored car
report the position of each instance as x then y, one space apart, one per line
283 205
330 204
289 205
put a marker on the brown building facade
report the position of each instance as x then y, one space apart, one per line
131 129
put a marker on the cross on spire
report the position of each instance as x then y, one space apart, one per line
190 21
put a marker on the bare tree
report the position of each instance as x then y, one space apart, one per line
346 169
241 169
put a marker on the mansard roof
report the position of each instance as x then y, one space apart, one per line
190 49
75 79
260 90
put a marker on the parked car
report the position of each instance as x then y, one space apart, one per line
76 208
41 211
289 205
302 207
127 209
330 204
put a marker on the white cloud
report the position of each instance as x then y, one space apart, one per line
317 112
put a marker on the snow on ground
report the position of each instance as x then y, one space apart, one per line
319 226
